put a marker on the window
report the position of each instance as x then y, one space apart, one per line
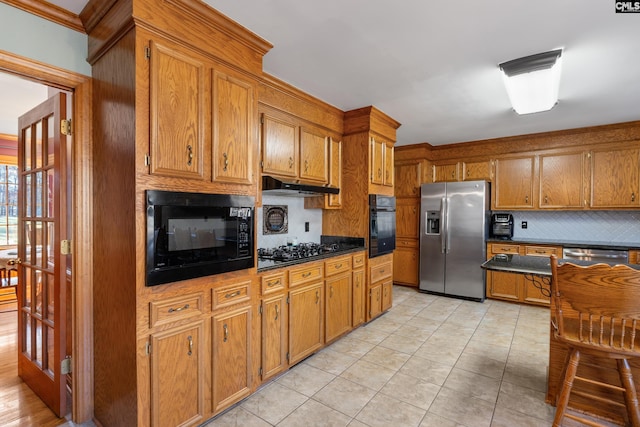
8 204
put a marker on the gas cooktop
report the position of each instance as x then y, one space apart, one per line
296 252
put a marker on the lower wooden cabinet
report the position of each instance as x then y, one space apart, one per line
305 321
379 288
338 294
505 286
231 349
406 262
177 373
374 301
387 295
274 336
358 287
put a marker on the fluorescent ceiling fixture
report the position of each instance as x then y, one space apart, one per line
533 81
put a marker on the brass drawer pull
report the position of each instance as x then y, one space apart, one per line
189 155
271 283
172 310
226 332
338 266
307 274
190 339
277 312
233 294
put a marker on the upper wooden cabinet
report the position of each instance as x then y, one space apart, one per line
562 180
408 179
335 173
381 162
294 150
444 173
463 171
178 109
614 178
513 183
234 124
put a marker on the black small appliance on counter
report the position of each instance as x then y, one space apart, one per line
502 226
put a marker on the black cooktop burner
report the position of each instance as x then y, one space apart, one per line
300 251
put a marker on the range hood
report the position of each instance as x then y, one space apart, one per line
276 187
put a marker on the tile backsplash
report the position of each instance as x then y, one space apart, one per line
297 217
595 226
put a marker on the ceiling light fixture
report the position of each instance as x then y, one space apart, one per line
533 81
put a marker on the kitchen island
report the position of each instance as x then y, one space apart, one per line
600 369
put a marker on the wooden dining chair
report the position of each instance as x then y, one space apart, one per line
596 311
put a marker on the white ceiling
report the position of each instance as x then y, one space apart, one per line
433 65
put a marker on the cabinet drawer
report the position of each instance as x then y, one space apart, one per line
381 272
173 309
337 265
232 294
272 283
406 243
542 250
305 274
358 260
504 249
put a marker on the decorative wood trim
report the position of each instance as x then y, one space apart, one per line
82 386
49 12
370 119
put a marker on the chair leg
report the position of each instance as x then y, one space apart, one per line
630 395
567 383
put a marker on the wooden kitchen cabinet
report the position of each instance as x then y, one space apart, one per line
388 165
387 294
358 286
374 301
314 152
514 178
279 145
234 124
562 180
274 335
334 201
305 321
408 179
406 263
444 173
178 110
407 217
477 171
177 360
231 349
338 297
381 162
615 178
380 275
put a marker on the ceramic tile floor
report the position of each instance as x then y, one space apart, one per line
429 361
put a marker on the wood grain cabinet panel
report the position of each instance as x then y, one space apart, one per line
388 165
358 282
335 173
279 146
178 106
407 218
234 125
231 349
472 171
513 180
407 181
562 180
338 305
177 372
274 335
615 178
377 161
305 321
314 153
405 263
445 173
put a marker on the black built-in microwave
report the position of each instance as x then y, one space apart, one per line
191 235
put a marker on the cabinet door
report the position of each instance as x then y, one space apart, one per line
388 165
614 178
405 263
407 181
374 301
314 152
335 173
177 376
305 321
532 291
472 171
231 348
177 110
562 180
274 336
279 146
338 305
408 217
358 297
514 183
234 125
387 295
443 173
377 161
504 285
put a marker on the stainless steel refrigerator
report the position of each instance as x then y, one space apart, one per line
454 224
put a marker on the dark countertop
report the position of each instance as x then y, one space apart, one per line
268 264
540 266
569 243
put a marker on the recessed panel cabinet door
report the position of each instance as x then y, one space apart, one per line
562 180
314 153
177 109
231 357
514 183
377 161
338 305
279 146
234 124
305 321
274 335
614 178
358 297
177 372
388 165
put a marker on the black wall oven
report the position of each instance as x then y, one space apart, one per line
382 225
194 234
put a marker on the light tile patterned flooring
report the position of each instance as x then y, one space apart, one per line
429 361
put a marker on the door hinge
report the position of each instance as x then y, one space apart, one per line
287 299
65 366
287 356
65 247
147 160
260 371
65 127
262 119
262 164
260 309
148 348
147 52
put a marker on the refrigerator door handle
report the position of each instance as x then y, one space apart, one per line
443 220
446 225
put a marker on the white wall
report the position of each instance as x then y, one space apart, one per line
27 35
298 215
